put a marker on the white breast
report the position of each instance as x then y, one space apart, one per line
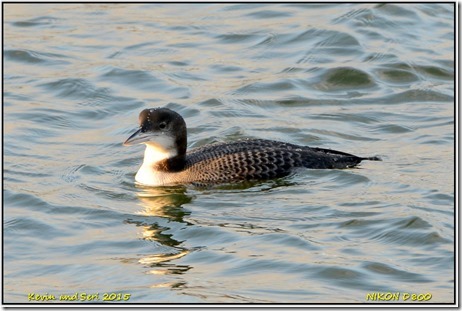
146 175
154 153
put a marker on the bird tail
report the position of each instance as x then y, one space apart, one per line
376 158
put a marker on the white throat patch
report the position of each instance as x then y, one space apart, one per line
162 149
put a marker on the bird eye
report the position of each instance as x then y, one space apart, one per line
162 125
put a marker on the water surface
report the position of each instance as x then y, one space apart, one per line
369 79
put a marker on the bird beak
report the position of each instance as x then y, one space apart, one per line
137 138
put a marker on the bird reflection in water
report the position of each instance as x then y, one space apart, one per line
163 202
164 211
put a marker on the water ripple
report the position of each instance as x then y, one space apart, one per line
42 21
35 57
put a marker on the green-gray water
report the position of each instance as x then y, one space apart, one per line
368 79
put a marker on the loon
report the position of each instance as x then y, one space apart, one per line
166 161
